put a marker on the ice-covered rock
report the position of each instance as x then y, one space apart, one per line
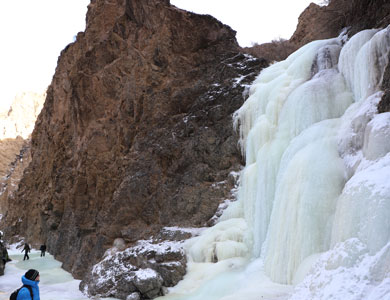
148 282
376 141
133 296
144 269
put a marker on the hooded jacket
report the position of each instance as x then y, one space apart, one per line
24 293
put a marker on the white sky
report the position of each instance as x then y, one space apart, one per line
254 20
35 31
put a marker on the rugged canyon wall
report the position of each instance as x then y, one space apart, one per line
136 131
17 123
19 119
323 22
318 22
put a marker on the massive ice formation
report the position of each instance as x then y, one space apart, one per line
314 196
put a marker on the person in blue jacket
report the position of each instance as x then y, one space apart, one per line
31 278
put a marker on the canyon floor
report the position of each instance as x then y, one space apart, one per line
55 282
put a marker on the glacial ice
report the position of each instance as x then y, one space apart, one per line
312 219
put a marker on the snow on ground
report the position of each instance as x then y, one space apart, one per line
55 282
348 272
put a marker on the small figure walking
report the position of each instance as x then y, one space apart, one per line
5 256
43 250
26 250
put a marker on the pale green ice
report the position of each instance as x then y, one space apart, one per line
55 282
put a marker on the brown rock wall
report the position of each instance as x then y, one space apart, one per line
16 124
384 104
323 22
135 133
9 148
16 153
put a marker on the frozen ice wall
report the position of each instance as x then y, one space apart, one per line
314 203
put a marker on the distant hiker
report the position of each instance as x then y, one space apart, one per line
43 250
26 250
5 256
30 288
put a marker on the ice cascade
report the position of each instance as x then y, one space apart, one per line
312 219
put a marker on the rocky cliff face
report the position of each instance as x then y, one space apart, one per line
322 22
135 133
16 124
19 119
19 158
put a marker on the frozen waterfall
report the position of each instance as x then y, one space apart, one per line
312 219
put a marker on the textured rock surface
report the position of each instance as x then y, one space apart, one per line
133 296
19 119
16 124
9 148
277 50
9 182
384 104
135 133
140 271
324 22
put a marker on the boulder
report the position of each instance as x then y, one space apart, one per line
133 296
144 269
